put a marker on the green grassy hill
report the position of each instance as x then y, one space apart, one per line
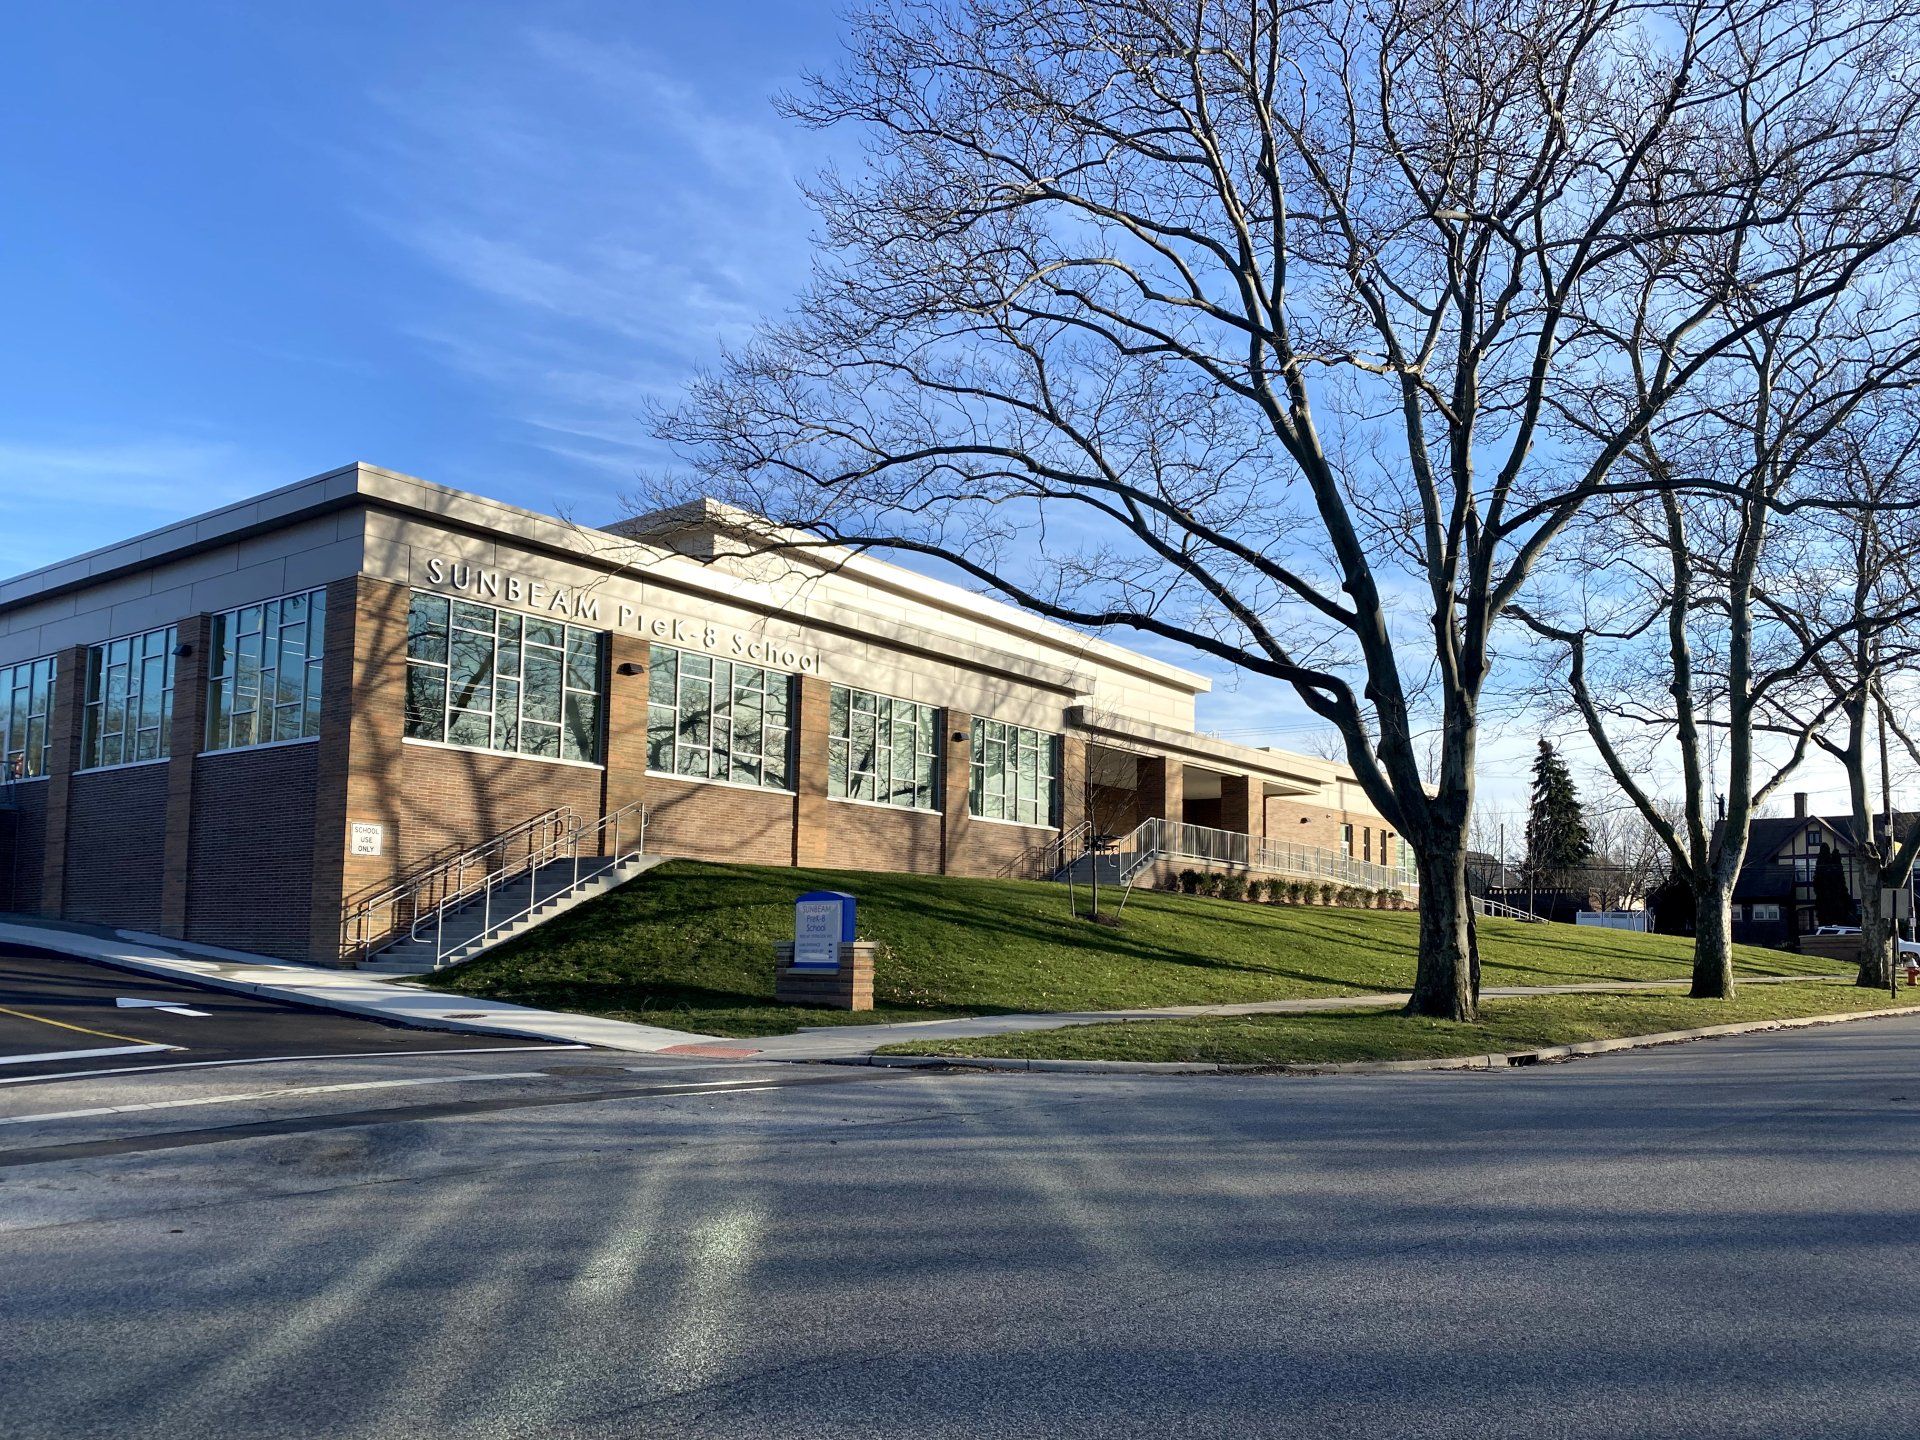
691 946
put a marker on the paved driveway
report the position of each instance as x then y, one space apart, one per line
1711 1240
61 1016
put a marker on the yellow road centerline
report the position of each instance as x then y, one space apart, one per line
104 1034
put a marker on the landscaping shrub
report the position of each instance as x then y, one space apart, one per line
1399 899
1326 892
1257 891
1190 882
1233 887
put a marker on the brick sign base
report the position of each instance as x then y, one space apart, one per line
848 988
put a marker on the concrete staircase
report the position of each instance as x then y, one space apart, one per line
514 907
1081 869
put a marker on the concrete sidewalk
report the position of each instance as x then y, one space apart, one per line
347 990
847 1042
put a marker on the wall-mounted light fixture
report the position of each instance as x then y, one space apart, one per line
182 649
632 667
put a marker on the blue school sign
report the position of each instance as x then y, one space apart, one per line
822 922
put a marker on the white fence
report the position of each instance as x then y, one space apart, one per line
1613 919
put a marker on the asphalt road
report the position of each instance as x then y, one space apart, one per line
61 1016
1709 1240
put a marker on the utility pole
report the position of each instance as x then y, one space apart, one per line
1885 842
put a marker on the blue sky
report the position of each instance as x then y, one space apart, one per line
245 243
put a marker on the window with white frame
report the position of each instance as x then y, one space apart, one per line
489 679
129 707
26 702
1766 914
263 675
711 719
1012 773
882 750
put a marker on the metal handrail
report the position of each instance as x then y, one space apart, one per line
1320 863
456 877
633 816
1484 906
1066 848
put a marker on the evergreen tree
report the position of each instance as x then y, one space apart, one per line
1832 898
1557 840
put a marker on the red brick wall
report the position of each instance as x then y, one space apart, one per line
62 759
876 837
719 822
995 849
117 821
250 880
815 824
188 735
361 719
452 799
23 836
1321 827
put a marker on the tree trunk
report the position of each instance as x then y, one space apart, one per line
1446 983
1712 942
1876 942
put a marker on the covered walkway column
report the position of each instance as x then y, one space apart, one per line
1162 788
1243 807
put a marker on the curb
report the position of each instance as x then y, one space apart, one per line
1518 1059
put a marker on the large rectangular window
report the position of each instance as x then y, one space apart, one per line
881 749
716 720
263 682
129 706
497 680
1013 773
26 702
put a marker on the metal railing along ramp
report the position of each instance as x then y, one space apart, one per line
1484 906
458 909
1130 856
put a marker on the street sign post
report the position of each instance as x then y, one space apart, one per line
1896 904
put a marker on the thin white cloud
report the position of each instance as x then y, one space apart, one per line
605 226
60 498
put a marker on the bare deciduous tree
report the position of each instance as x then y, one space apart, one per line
1675 652
1245 323
1851 598
1629 857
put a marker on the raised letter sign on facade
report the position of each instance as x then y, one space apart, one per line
364 837
822 922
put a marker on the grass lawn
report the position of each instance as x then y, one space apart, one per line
1345 1035
690 946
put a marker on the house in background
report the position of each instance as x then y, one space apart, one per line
1773 900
